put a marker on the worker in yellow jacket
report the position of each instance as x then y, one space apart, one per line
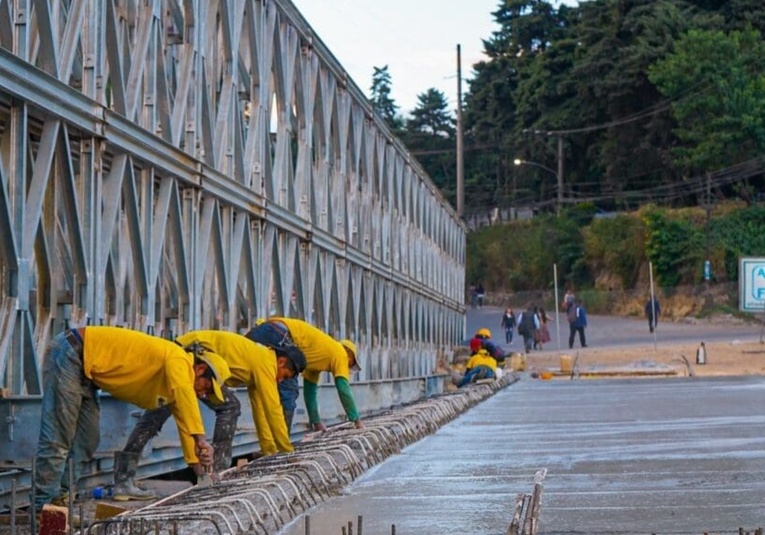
132 366
322 354
480 365
254 366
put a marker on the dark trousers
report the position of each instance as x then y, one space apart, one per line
271 336
226 415
652 322
572 334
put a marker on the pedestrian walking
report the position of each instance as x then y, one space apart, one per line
568 300
652 312
577 321
528 323
480 293
508 324
542 335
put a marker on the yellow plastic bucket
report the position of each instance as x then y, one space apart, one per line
518 362
565 363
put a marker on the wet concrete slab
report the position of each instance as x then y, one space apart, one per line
666 456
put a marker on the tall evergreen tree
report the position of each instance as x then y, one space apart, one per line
430 136
717 85
431 115
381 98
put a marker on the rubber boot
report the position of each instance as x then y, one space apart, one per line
125 489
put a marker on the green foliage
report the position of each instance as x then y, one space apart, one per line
431 115
674 246
430 137
616 246
716 82
381 99
519 256
736 234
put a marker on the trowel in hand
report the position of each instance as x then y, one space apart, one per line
205 479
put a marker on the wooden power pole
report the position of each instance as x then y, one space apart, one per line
460 141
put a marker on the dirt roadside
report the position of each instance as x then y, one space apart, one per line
722 358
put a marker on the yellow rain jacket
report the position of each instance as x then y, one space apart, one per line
322 354
147 371
482 358
253 366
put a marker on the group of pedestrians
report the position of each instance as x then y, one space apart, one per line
531 324
167 378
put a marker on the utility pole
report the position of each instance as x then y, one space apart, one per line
560 173
460 141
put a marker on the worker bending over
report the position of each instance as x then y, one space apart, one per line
254 366
138 368
322 354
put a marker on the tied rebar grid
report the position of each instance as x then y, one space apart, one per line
267 493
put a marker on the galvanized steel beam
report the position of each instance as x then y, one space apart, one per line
168 166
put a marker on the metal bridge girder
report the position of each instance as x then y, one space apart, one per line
167 166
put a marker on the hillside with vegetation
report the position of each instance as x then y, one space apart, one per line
607 259
650 101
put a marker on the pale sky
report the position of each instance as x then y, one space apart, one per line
417 39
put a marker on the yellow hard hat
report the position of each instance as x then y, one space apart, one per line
483 332
350 346
220 371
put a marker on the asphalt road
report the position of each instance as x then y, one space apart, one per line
611 331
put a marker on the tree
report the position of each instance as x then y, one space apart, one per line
431 115
430 136
382 102
717 87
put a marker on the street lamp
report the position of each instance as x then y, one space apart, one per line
559 134
557 175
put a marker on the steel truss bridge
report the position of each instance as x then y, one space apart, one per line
168 165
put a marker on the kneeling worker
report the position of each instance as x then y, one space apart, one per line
138 368
252 365
481 365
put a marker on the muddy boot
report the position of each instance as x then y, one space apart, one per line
125 489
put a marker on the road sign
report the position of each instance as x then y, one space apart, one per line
751 276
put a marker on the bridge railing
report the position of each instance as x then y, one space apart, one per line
168 166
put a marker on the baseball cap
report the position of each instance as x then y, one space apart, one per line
294 356
220 373
350 346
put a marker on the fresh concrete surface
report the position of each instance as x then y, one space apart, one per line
661 456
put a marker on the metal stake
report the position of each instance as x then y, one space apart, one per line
307 525
359 524
71 496
13 507
33 491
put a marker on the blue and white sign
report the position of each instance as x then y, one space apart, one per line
751 276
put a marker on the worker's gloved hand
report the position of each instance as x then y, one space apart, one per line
358 424
319 426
